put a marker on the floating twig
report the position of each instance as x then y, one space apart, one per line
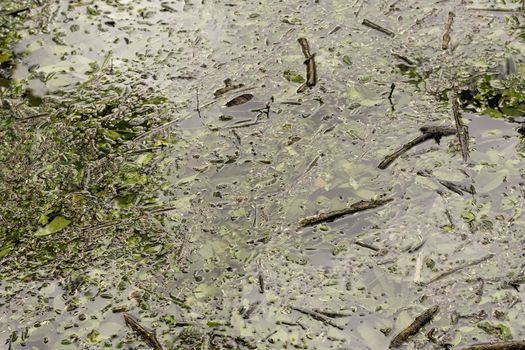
419 266
453 186
414 327
366 245
311 68
462 130
403 58
15 12
459 268
247 312
317 316
429 132
260 279
506 345
448 28
378 28
147 335
457 187
228 86
495 10
354 208
333 314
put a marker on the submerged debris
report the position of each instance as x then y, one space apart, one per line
333 215
414 327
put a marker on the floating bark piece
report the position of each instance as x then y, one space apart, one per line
448 28
505 345
147 335
317 316
461 267
311 68
462 130
414 327
228 86
378 28
429 132
239 100
354 208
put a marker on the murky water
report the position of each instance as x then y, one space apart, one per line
227 266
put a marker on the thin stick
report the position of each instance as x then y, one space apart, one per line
419 266
506 345
366 245
459 268
414 327
429 132
146 334
378 28
317 316
336 214
448 28
462 130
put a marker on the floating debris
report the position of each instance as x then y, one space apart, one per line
414 327
336 214
147 335
459 268
228 86
429 132
506 345
239 100
317 316
311 69
377 27
445 41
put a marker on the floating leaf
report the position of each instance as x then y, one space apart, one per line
293 76
347 60
57 224
499 330
468 216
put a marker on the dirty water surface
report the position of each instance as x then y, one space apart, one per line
166 166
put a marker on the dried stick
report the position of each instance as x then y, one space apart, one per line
506 345
459 268
317 316
311 68
146 334
354 208
429 132
378 28
448 28
414 327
